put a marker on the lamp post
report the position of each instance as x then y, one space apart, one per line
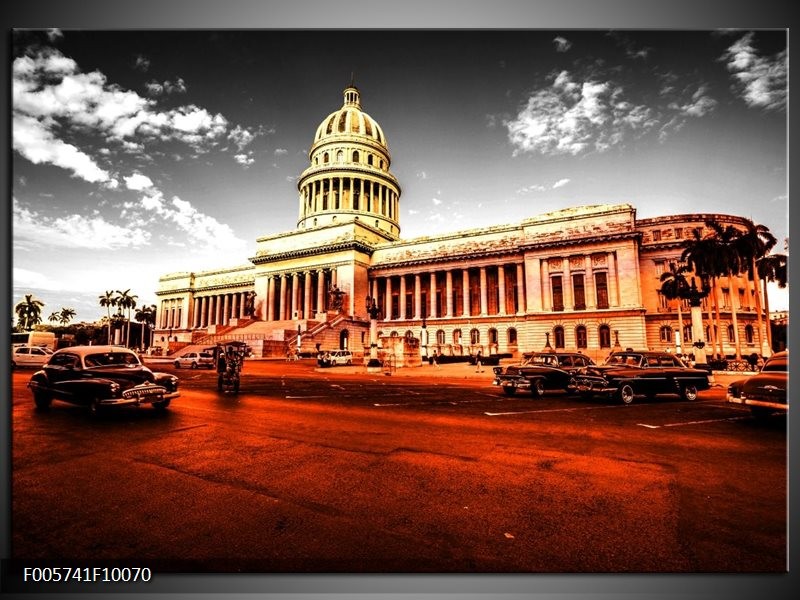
698 339
373 311
423 335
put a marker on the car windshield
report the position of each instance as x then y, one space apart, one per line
105 359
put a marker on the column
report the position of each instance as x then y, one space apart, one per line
403 296
432 302
270 298
520 289
235 304
588 284
281 297
388 305
196 316
566 286
449 291
501 290
320 290
307 295
613 281
295 295
226 306
417 296
217 310
484 292
465 291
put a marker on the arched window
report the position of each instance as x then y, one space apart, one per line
440 337
340 156
493 336
558 335
748 333
326 158
456 336
512 337
355 156
409 334
665 334
474 337
604 336
369 159
581 339
687 333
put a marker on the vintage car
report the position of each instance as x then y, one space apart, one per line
766 392
99 377
627 374
541 372
195 360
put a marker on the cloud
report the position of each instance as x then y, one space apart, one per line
138 181
54 35
562 44
142 63
154 88
560 183
74 231
281 152
244 159
760 81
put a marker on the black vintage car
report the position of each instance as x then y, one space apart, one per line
542 372
627 374
99 377
768 391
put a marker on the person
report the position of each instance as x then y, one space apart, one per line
478 365
435 359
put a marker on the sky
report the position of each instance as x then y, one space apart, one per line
138 153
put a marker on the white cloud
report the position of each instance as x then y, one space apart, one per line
761 81
244 159
281 152
562 44
560 183
138 182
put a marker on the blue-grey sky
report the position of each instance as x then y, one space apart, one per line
139 153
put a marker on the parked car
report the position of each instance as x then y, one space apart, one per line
29 356
195 360
541 372
627 374
99 377
766 392
332 358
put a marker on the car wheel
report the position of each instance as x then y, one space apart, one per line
509 390
95 408
349 362
759 412
41 399
161 406
626 393
177 364
194 365
689 392
537 388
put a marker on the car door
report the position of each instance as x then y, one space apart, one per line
61 371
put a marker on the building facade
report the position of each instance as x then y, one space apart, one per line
585 278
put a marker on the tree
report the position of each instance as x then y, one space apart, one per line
755 243
730 263
674 286
127 301
772 268
54 317
700 254
66 315
29 312
108 300
146 315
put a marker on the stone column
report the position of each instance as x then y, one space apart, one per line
270 298
501 290
613 281
484 293
196 316
281 297
417 296
465 290
295 295
520 289
388 305
433 308
320 290
226 307
217 310
403 296
307 295
449 291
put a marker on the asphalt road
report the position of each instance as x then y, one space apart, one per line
423 470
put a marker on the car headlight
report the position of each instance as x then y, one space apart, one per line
114 388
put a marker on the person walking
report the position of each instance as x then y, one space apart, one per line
478 365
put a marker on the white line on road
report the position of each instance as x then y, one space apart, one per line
548 410
681 424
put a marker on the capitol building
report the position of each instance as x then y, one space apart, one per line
585 278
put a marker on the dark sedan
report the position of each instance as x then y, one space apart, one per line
541 372
766 392
101 376
628 374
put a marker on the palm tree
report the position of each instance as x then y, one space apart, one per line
66 315
674 286
700 254
29 312
146 315
127 301
732 263
772 268
54 317
108 300
755 243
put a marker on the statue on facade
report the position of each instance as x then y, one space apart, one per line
337 296
250 304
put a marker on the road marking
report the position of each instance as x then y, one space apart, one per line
301 397
450 402
547 410
681 424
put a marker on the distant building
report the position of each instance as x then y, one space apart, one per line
583 278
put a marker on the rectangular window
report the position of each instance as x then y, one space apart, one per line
678 233
656 235
558 293
601 286
578 291
660 267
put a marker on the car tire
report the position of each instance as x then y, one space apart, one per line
509 390
349 362
759 412
177 364
194 365
42 400
537 388
96 410
161 406
689 392
625 393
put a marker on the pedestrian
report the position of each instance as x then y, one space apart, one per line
478 365
435 359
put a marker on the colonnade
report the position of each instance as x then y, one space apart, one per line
298 294
349 193
219 309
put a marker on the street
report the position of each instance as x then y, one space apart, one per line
427 470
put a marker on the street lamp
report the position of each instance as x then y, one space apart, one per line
423 336
695 296
373 311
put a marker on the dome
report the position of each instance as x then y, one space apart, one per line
350 121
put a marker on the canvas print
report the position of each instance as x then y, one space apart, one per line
399 301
